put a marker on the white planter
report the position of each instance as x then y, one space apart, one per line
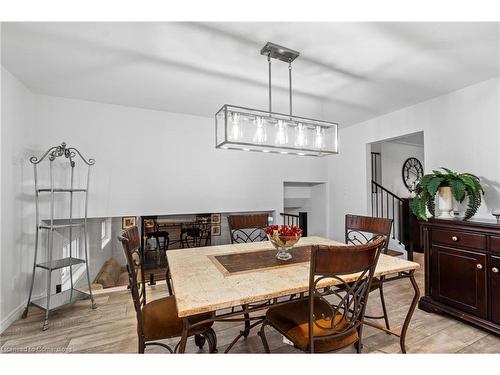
445 202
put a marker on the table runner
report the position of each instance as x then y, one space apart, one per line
252 261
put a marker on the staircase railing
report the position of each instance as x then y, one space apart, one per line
388 205
299 220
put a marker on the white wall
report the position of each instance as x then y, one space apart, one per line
461 131
150 162
393 155
18 224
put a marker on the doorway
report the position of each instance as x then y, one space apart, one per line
395 166
309 198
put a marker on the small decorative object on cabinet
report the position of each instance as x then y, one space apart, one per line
450 185
462 262
496 212
54 301
283 237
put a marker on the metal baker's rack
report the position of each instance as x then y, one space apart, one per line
51 302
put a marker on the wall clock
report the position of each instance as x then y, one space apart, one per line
412 172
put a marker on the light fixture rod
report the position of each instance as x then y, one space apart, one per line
269 64
290 83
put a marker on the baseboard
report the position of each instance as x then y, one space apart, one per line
13 316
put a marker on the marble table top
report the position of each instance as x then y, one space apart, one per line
199 286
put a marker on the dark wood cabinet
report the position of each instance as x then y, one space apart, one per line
459 279
495 286
462 266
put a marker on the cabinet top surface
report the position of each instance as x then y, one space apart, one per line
478 223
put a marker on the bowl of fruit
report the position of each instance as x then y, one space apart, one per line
283 237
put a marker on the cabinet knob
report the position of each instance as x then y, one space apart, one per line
479 266
494 270
454 238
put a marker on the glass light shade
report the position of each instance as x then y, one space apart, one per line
247 129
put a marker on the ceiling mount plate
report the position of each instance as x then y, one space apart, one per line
279 52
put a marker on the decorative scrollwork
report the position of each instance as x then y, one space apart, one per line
244 236
355 237
57 151
342 314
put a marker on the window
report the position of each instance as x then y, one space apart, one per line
105 232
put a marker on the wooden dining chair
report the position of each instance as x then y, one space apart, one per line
364 229
247 228
317 324
244 229
158 320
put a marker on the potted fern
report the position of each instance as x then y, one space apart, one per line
449 185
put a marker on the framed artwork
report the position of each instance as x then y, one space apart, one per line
215 230
128 221
215 219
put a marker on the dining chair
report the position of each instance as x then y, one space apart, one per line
364 229
244 229
158 320
247 228
329 319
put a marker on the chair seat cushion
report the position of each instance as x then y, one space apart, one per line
292 320
160 320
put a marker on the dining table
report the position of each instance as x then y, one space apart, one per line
237 280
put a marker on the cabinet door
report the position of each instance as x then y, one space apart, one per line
495 289
458 279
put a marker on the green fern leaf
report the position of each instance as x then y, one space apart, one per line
434 184
431 205
472 206
458 189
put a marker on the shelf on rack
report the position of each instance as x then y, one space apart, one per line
59 226
60 299
47 190
60 263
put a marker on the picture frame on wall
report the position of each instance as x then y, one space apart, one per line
128 221
215 219
215 230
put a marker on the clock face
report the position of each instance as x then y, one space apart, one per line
412 172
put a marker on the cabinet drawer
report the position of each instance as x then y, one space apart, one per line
495 244
449 237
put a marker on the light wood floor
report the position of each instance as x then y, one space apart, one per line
111 328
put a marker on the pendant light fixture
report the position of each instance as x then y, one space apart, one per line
247 129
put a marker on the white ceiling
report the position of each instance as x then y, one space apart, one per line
347 72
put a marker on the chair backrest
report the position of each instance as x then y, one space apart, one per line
247 228
353 268
363 229
131 243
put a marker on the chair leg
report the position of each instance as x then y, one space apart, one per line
246 331
212 340
169 285
359 346
141 346
199 340
384 309
262 335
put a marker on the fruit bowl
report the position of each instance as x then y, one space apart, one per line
283 238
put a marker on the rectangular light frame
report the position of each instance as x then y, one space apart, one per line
284 129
